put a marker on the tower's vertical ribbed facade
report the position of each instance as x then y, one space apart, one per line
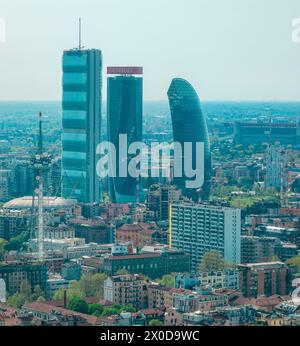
82 85
124 117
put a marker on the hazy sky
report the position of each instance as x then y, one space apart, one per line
228 49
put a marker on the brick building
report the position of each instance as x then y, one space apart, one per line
264 279
139 234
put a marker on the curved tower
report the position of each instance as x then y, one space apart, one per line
189 125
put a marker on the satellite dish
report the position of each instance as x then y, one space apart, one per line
2 291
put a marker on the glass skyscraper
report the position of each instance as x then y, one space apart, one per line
81 118
124 116
189 125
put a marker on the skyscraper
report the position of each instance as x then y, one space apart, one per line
189 125
124 117
276 168
82 84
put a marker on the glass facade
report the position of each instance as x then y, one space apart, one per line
81 120
189 125
124 116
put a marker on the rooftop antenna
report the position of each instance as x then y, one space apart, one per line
80 47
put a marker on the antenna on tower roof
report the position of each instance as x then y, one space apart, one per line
79 34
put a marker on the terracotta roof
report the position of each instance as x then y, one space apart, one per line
152 312
47 309
142 227
262 301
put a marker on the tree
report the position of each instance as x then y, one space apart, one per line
3 242
213 261
17 242
25 289
128 308
167 280
122 272
92 285
16 301
95 309
86 285
41 299
37 292
296 186
154 323
73 291
295 261
79 305
108 311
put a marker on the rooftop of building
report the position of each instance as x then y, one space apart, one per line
138 227
87 222
126 277
203 206
263 265
46 308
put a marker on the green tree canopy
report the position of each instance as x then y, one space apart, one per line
95 309
78 304
213 261
92 285
122 272
17 242
295 261
154 323
167 280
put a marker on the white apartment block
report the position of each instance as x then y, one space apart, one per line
199 228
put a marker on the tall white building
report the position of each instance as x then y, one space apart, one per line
276 170
197 229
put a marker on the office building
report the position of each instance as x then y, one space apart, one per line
81 118
189 125
93 231
35 274
159 199
257 249
198 228
124 117
153 265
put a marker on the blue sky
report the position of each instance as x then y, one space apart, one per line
228 49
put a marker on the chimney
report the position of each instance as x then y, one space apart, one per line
65 299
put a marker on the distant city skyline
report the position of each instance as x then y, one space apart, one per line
228 49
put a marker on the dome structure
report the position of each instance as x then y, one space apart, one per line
48 203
